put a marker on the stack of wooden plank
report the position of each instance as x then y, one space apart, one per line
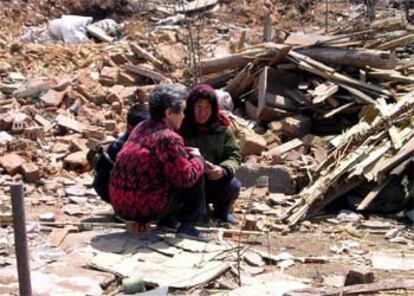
339 105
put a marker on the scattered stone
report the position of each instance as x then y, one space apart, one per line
54 98
119 58
348 216
30 172
69 123
252 143
109 125
143 93
109 76
47 217
12 163
125 79
32 88
5 138
253 259
4 67
42 121
77 161
251 223
360 276
95 133
296 126
399 240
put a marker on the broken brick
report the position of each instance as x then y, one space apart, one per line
34 132
94 92
4 67
124 92
119 58
69 123
77 161
53 97
95 133
30 172
12 163
296 126
125 79
109 76
32 88
252 143
113 97
109 125
42 121
143 92
360 276
117 107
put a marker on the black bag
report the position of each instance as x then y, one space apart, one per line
103 165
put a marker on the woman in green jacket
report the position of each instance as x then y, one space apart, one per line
208 130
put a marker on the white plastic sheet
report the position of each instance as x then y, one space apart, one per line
70 28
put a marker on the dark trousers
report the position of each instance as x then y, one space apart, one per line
222 194
186 206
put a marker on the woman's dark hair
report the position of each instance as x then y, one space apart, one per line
136 114
163 97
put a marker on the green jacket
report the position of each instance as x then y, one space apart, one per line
221 148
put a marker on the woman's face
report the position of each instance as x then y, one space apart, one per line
202 111
174 119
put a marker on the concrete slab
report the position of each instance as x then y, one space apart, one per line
280 177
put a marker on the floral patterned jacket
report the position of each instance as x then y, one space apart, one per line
150 165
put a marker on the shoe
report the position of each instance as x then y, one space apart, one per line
169 225
232 219
190 232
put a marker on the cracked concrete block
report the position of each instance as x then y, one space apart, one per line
281 179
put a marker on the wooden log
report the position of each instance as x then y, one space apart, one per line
324 91
238 60
196 5
364 98
338 110
371 196
391 76
217 65
308 64
407 39
285 147
352 57
397 284
241 83
220 80
144 71
99 34
143 54
405 152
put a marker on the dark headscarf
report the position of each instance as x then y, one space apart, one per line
217 122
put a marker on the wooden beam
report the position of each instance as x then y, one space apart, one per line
352 57
371 196
145 72
396 284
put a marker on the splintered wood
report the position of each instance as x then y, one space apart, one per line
357 150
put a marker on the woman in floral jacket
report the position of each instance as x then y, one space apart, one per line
155 178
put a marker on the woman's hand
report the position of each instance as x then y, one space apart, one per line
215 172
